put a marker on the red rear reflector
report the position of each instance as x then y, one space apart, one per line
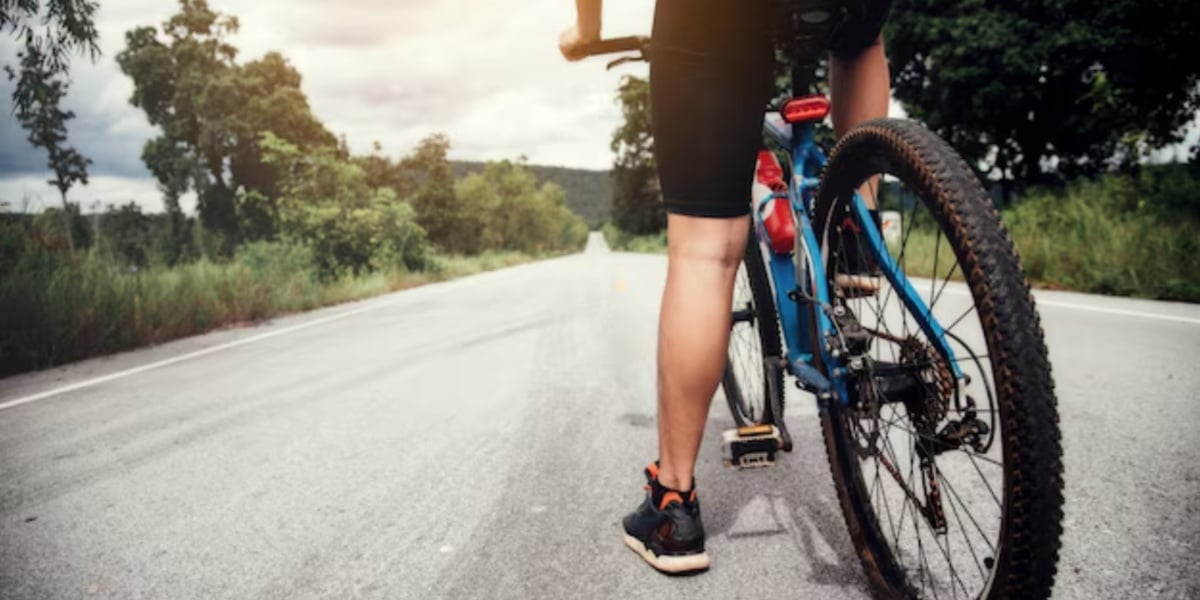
808 108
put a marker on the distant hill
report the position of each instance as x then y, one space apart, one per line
589 192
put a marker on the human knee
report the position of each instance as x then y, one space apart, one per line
716 242
716 252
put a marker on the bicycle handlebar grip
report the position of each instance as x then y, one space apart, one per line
623 44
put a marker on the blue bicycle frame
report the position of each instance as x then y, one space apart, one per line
801 287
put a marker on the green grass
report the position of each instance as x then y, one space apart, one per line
54 311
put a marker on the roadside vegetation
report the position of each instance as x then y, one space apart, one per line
1117 235
287 218
621 241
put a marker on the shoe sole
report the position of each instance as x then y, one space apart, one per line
669 564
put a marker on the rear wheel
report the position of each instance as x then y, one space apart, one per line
948 490
753 335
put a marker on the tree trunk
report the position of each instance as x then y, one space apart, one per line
67 223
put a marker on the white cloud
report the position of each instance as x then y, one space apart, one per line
31 193
487 74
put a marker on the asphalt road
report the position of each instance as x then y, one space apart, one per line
482 438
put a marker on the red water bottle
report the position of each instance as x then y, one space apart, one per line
777 211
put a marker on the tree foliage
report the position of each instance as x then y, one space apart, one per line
438 210
1035 90
211 112
325 203
498 206
504 208
637 199
48 36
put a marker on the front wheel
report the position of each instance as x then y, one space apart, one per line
951 486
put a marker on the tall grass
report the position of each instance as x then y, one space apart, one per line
1099 236
1097 239
54 310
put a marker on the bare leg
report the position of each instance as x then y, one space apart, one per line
859 90
693 334
704 255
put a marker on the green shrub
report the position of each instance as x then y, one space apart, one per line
326 204
503 208
623 241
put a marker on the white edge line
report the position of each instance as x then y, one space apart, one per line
1096 309
1118 311
188 356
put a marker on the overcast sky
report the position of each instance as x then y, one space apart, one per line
487 74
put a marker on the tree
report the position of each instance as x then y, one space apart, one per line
67 26
437 206
1035 90
637 200
325 203
506 209
128 235
46 123
211 113
43 79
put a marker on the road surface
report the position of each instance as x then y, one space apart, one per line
482 438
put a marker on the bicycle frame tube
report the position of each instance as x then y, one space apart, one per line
800 285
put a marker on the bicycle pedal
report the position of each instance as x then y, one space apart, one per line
750 447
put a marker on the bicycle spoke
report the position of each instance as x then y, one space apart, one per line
984 478
937 245
963 530
954 324
970 516
972 359
945 282
912 226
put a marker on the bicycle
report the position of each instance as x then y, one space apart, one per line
910 402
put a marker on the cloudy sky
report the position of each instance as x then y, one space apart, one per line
488 74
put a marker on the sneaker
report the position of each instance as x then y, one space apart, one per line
858 275
666 530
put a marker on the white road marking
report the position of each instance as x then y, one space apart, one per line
1118 311
185 357
1097 309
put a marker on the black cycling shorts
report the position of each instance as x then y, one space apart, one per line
711 76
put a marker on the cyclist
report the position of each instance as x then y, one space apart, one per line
711 75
